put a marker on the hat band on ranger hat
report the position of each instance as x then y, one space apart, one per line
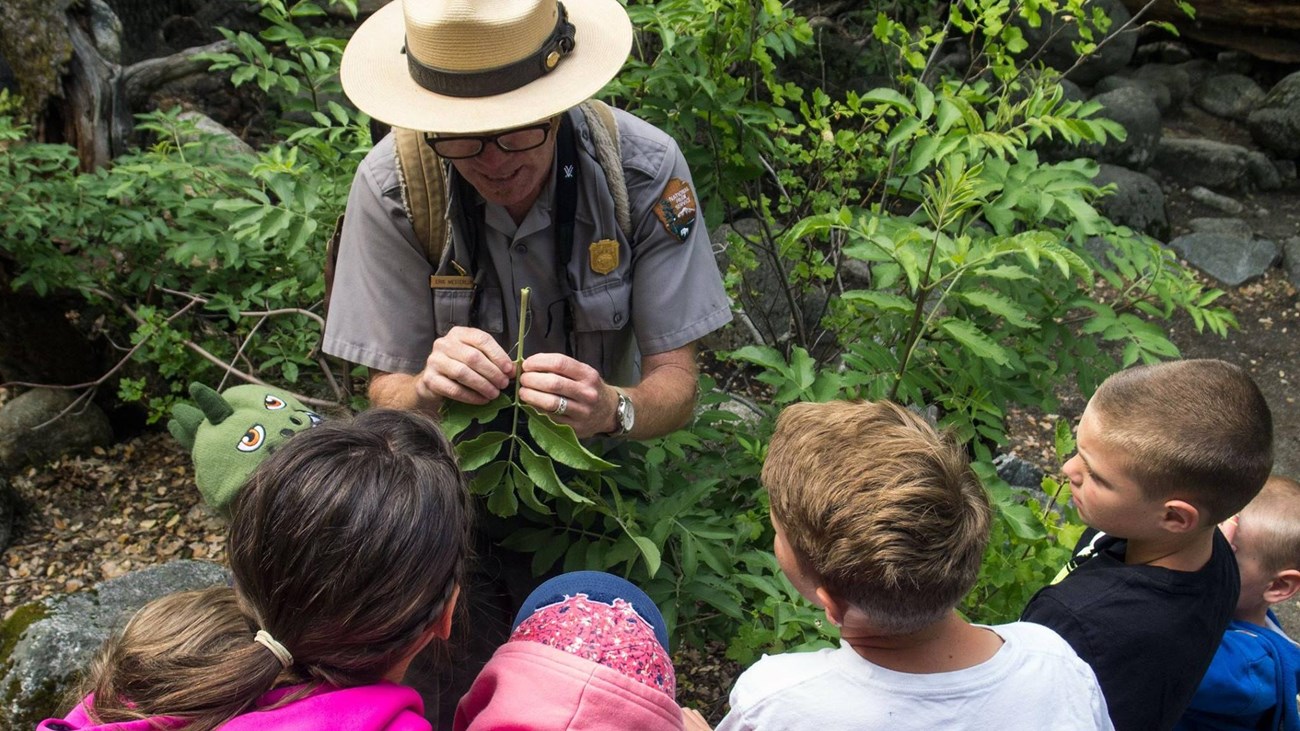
490 82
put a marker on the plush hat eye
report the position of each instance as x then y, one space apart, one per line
315 418
253 439
272 403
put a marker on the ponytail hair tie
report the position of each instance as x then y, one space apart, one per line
280 651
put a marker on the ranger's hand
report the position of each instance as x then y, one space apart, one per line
465 365
571 391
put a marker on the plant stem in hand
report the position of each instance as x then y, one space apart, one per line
524 295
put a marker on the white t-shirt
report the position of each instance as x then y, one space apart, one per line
1033 682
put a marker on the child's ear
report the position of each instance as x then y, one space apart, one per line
1283 586
835 609
1180 517
441 627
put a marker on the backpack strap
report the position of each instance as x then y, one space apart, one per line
604 133
424 191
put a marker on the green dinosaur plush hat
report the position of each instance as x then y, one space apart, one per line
230 433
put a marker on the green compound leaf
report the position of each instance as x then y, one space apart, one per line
559 441
526 489
550 552
974 340
1000 305
456 416
541 472
1023 522
650 552
503 501
485 481
480 450
1064 440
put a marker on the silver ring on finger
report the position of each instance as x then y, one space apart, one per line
561 407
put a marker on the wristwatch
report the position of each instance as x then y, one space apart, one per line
624 416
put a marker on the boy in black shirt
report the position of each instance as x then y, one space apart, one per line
1165 452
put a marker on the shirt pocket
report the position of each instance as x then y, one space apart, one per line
468 308
607 306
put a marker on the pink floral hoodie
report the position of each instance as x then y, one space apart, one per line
528 685
381 707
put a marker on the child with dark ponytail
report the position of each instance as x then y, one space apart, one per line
346 546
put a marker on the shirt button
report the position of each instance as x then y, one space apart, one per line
521 249
618 318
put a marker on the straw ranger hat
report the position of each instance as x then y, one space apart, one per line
470 66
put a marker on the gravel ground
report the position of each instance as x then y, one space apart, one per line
87 519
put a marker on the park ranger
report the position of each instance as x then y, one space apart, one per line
497 88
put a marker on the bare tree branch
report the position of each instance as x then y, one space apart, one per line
92 386
139 80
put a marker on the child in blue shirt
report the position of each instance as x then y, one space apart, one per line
1251 684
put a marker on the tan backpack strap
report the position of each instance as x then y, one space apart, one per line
604 133
424 191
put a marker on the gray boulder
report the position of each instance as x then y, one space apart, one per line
57 639
1197 70
1138 202
1138 115
1172 77
1232 260
1157 92
21 443
1055 38
1291 260
1072 91
1231 96
746 411
1286 170
1217 201
217 135
1275 123
1261 172
1017 472
1235 62
763 313
1170 52
1227 226
1202 162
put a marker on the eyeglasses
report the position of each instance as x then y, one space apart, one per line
515 140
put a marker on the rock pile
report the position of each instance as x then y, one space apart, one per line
1205 130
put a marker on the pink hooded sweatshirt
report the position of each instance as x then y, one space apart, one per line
528 685
381 707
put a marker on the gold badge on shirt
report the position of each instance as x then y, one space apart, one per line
603 256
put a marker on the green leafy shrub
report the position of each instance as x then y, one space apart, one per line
207 259
983 277
925 253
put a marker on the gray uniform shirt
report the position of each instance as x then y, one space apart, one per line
662 292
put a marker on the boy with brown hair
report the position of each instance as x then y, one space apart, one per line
1165 452
1252 682
880 521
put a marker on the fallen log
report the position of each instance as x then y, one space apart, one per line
1267 29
